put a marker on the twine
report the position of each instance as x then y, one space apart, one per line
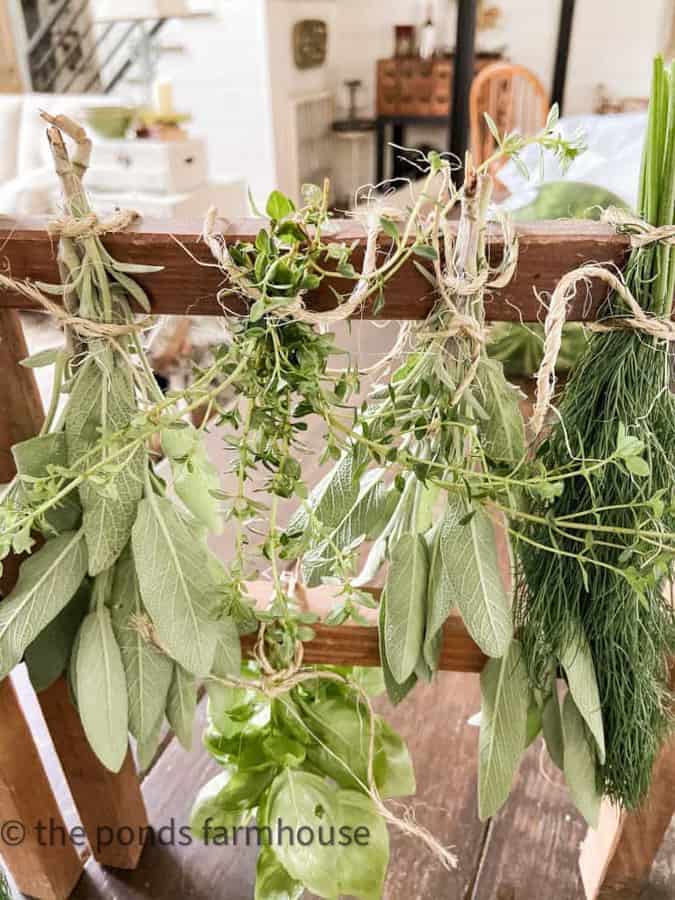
90 225
565 291
275 682
85 328
295 307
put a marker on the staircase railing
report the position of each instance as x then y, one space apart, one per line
70 52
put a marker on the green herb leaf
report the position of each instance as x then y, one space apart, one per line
148 671
301 799
464 572
505 692
395 692
580 763
279 206
102 689
41 359
48 655
502 431
551 720
34 458
195 478
176 583
47 581
181 704
405 605
577 663
272 881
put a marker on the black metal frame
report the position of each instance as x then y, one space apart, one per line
562 52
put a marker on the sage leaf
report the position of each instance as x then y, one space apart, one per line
102 402
551 721
41 359
148 671
395 692
577 663
181 705
272 881
360 521
48 655
194 476
464 572
502 430
405 605
579 762
303 799
329 500
102 689
33 459
47 581
146 750
227 658
176 583
505 699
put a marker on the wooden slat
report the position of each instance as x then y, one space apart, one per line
547 251
47 872
357 645
102 798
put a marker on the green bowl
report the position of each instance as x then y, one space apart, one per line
110 121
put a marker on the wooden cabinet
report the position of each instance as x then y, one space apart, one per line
414 87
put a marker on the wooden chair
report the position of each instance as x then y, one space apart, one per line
514 98
616 858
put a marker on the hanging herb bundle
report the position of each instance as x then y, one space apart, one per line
121 589
312 763
592 598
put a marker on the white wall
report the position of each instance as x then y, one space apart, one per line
222 80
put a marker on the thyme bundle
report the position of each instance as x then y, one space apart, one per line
599 596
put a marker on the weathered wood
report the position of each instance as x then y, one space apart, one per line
109 804
547 251
34 842
357 645
616 860
46 871
102 799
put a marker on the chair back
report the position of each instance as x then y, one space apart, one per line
514 98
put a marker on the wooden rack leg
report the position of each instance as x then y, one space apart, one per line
34 843
616 860
110 805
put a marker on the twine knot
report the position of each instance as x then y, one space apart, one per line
90 225
642 234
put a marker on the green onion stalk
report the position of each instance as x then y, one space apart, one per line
612 593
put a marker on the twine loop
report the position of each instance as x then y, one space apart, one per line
90 225
642 235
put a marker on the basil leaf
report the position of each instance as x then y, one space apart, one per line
102 402
228 799
301 799
47 656
502 430
272 881
405 605
505 698
464 571
47 581
176 583
580 767
181 705
33 458
577 662
102 689
148 671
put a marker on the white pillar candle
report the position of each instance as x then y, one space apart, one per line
164 99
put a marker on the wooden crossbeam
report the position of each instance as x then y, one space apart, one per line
547 251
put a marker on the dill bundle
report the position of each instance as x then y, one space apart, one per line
608 590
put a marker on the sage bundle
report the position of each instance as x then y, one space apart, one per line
121 592
595 559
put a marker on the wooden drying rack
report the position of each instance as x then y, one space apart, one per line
617 857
